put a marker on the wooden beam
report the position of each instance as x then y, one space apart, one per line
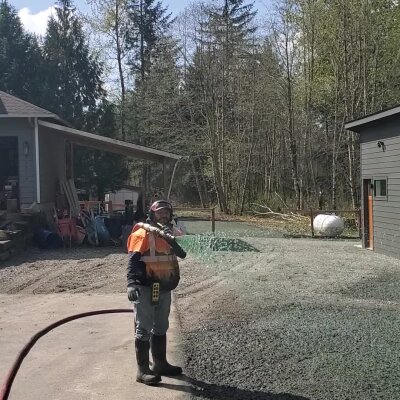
104 143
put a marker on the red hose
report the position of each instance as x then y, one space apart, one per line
5 389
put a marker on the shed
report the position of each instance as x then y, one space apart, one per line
120 196
36 152
380 180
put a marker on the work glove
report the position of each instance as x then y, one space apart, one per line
167 230
133 293
164 229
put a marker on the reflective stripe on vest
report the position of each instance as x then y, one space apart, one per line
153 257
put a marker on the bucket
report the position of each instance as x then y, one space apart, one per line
47 240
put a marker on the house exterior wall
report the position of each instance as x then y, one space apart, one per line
52 164
376 163
24 131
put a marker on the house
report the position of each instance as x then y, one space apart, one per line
36 153
380 179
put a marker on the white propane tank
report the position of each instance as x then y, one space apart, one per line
328 225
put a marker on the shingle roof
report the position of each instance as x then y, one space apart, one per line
14 107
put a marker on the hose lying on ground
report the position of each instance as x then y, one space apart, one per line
5 389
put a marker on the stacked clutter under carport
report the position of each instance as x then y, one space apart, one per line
73 222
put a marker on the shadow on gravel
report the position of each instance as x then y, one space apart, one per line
222 392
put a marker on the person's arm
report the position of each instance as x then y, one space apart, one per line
136 271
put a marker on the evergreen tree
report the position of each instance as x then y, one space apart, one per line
96 170
230 23
21 60
74 91
151 22
73 75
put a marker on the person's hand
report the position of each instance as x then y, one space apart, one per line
167 230
133 293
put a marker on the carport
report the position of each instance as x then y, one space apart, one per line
72 137
36 147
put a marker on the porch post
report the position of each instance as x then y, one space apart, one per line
72 161
165 182
172 179
37 161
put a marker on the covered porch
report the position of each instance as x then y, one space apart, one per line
56 153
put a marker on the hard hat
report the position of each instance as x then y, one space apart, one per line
159 205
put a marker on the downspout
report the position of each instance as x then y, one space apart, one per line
36 126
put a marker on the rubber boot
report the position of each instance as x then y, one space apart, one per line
159 352
144 375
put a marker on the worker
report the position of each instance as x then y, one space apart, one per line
153 272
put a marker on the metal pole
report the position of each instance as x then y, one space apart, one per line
164 178
72 161
172 179
37 159
312 222
213 220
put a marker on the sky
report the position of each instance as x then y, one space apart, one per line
34 14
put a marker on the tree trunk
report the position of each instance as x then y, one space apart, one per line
120 70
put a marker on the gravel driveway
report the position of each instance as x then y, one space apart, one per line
297 319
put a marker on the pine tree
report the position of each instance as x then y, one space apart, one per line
73 75
96 170
21 60
74 91
151 22
230 23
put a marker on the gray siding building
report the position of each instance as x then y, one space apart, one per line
380 179
36 152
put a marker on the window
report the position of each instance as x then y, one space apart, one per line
380 187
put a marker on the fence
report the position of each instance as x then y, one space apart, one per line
211 212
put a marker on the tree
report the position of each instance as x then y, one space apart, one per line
21 60
111 20
151 22
74 91
217 68
96 170
73 82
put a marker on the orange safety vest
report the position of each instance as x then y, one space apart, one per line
161 263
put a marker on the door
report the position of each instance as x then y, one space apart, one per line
8 169
368 220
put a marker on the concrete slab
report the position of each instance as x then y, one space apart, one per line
90 358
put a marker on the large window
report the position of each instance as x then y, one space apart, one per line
380 188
